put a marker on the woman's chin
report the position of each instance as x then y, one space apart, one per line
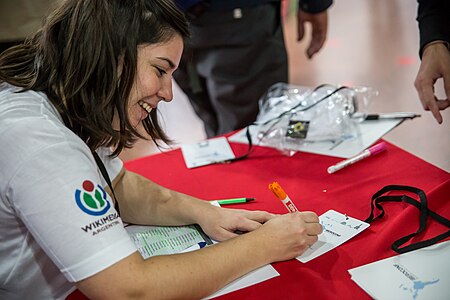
139 127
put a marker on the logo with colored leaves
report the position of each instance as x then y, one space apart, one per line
92 199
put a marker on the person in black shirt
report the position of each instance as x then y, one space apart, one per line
236 53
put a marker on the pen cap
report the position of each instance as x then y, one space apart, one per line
380 147
277 190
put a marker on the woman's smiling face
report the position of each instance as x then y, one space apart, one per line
153 80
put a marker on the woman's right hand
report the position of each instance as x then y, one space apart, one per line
288 236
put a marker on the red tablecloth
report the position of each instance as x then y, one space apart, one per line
306 181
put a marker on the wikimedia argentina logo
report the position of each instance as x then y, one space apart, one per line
93 200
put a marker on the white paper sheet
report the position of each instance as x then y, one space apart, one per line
259 275
420 274
206 152
369 133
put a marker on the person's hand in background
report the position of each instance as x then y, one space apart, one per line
319 26
435 64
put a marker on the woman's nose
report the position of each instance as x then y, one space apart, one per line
166 93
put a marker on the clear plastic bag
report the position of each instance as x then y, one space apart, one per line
292 115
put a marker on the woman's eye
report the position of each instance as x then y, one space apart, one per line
161 72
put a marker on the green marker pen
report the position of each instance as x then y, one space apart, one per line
234 200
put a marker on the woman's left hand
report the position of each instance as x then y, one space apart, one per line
223 223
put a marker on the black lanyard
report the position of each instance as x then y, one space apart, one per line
105 175
100 165
421 205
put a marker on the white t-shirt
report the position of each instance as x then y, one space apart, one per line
57 224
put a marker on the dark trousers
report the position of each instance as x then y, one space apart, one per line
229 64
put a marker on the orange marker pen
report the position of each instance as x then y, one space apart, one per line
278 191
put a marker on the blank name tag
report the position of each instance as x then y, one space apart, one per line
206 152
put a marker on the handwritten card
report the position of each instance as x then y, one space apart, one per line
337 229
206 152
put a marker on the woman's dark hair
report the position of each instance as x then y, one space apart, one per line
74 59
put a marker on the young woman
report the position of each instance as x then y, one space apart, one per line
83 88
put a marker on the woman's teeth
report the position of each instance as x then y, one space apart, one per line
145 106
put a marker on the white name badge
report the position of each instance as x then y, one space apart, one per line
337 229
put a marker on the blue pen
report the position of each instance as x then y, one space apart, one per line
195 247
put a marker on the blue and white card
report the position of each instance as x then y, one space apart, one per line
337 229
419 274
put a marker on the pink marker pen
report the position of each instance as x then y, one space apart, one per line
380 147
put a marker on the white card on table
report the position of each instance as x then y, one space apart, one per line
419 274
206 152
337 229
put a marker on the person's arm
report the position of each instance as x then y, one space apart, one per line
433 17
314 12
434 27
142 201
196 274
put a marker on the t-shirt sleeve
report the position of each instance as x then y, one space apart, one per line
59 196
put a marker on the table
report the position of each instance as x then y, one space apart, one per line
305 179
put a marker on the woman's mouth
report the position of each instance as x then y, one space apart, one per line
145 106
